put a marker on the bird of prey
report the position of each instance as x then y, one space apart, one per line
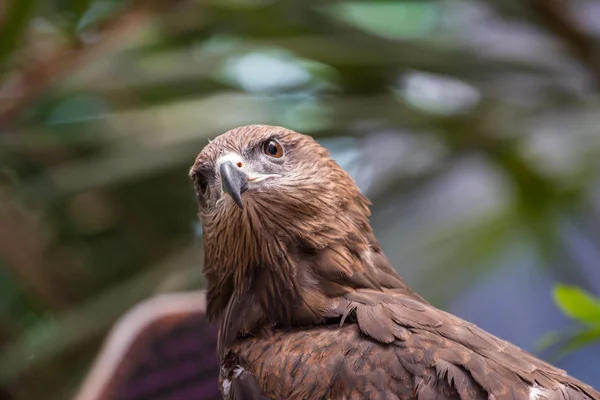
310 307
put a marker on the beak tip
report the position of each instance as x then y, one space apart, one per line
239 202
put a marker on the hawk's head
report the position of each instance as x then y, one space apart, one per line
258 164
284 227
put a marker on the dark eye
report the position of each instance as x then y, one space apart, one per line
201 178
273 149
201 187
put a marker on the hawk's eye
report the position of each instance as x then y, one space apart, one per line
273 149
201 178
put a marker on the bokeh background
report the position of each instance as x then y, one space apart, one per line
472 125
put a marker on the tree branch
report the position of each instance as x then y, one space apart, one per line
555 15
28 83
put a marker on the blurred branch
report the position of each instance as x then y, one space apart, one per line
344 49
555 15
110 169
33 79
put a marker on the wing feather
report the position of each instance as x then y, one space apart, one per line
399 348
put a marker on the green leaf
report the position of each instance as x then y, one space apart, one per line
98 11
13 24
567 342
394 20
577 304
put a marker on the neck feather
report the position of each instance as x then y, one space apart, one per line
263 273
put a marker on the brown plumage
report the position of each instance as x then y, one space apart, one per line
310 307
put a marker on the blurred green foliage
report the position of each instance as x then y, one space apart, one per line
578 304
582 308
105 103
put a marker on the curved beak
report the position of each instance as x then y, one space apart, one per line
233 181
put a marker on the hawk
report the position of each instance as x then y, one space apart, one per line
311 308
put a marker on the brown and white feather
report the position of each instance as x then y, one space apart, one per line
310 307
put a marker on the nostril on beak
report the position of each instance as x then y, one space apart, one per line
233 181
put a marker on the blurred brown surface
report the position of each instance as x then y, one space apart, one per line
163 348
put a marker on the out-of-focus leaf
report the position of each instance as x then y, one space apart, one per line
77 109
438 94
109 169
398 19
579 340
265 72
168 92
98 11
305 116
79 7
12 25
567 342
577 304
72 11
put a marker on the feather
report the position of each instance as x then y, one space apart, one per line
311 308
